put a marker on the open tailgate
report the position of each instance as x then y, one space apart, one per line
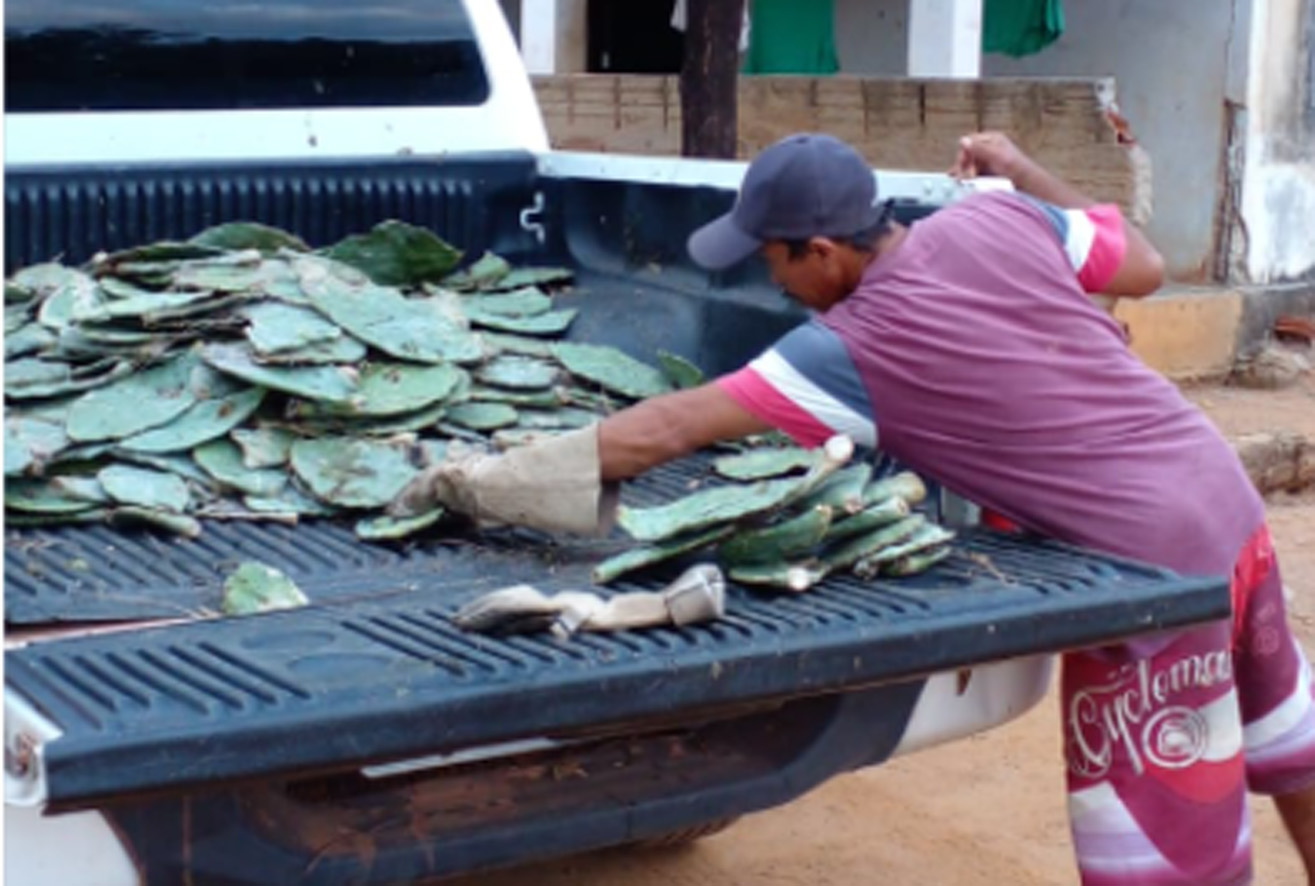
375 671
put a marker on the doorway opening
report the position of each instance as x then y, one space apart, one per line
633 37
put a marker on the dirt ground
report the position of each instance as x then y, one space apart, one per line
988 810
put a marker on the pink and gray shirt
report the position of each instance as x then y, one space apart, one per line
973 354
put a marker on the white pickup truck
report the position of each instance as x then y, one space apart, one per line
363 739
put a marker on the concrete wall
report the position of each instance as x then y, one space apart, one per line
1175 63
1276 237
872 37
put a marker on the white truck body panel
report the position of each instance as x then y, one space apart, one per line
508 120
63 850
956 705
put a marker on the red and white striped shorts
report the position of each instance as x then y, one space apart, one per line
1161 750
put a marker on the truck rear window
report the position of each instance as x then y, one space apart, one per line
119 55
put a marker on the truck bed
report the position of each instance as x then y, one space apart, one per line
255 731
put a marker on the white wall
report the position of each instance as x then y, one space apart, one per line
553 34
872 37
1278 187
1174 61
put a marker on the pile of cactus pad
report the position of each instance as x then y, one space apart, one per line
241 375
790 518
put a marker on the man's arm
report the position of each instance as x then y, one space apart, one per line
559 484
807 385
1141 270
668 427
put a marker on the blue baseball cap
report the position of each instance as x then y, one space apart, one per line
806 185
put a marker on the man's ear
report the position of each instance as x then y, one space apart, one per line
823 247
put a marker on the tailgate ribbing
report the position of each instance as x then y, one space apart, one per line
378 672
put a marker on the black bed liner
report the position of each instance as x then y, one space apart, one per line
352 681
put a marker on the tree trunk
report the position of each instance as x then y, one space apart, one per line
708 78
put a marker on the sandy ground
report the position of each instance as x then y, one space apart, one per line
988 810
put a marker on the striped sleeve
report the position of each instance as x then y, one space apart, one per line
808 386
1093 239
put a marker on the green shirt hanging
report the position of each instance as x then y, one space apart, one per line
1021 27
792 37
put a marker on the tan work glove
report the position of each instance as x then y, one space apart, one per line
553 485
